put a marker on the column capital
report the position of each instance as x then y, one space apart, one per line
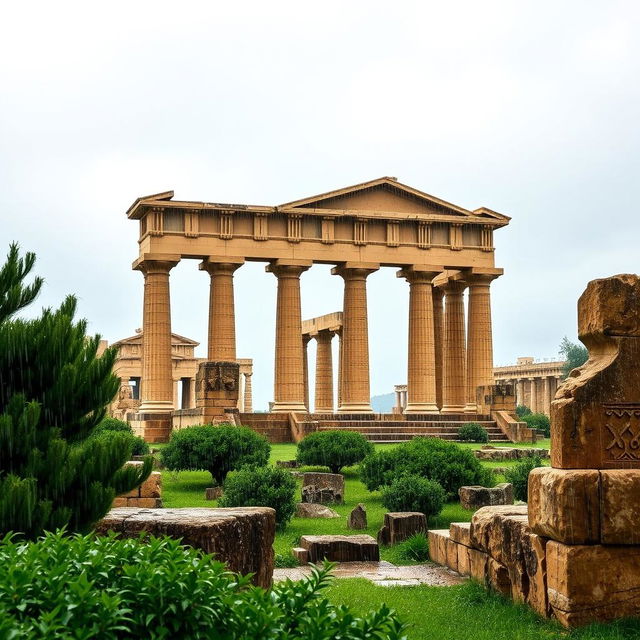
453 287
419 273
288 268
214 265
477 277
355 270
323 335
155 263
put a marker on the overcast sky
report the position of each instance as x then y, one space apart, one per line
528 108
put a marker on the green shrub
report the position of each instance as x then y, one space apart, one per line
518 476
522 410
473 432
112 425
413 493
445 462
106 588
333 449
538 421
217 450
262 487
415 548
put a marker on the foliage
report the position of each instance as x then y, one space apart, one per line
414 493
473 432
218 450
432 458
285 561
53 392
110 425
415 548
518 476
262 487
106 588
538 421
522 410
575 356
333 449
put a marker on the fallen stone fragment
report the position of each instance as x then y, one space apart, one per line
312 510
358 518
340 548
213 493
400 525
474 497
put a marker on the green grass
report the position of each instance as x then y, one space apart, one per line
466 612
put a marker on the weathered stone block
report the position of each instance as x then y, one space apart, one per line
474 497
438 545
565 504
358 518
313 510
461 533
241 537
593 583
619 506
341 548
287 464
478 561
300 554
321 481
498 577
452 554
152 486
320 495
463 560
119 502
213 493
485 525
400 525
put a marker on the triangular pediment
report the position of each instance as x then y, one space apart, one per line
175 339
385 195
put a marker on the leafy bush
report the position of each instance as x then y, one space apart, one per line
106 588
262 487
473 432
217 450
413 493
333 449
415 548
518 476
112 425
445 462
538 421
522 410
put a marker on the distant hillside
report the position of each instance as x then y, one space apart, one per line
383 403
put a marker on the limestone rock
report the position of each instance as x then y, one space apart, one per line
564 504
498 577
241 537
478 561
320 482
314 510
341 548
509 453
400 525
619 506
593 583
358 518
300 554
213 493
474 497
438 545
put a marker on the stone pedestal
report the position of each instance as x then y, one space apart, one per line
217 390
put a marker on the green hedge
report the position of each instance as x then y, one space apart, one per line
333 449
413 493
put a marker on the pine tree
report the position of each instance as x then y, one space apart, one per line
54 390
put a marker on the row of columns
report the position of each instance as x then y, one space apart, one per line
537 393
445 363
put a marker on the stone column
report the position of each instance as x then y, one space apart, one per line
157 378
533 396
438 339
520 392
480 339
324 372
546 395
356 396
192 393
421 370
176 391
222 320
240 405
454 390
289 358
248 394
398 407
340 367
305 370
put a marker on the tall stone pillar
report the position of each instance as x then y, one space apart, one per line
324 372
289 358
520 392
438 340
192 393
356 396
248 393
454 392
222 320
421 369
398 406
305 369
533 396
480 339
340 376
157 378
240 405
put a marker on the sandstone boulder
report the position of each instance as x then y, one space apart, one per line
240 537
358 518
314 510
474 497
358 548
399 526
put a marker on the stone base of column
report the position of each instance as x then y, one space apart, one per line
153 427
471 407
421 407
453 409
288 407
155 406
355 408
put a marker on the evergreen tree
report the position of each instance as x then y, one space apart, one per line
575 356
54 390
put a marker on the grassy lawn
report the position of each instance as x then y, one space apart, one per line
466 612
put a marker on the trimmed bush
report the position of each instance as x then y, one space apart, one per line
218 450
518 476
538 421
413 493
112 425
262 487
473 432
333 449
522 410
106 588
445 462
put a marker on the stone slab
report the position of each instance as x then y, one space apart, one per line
340 548
240 537
474 496
564 505
358 517
620 506
438 539
314 510
485 525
